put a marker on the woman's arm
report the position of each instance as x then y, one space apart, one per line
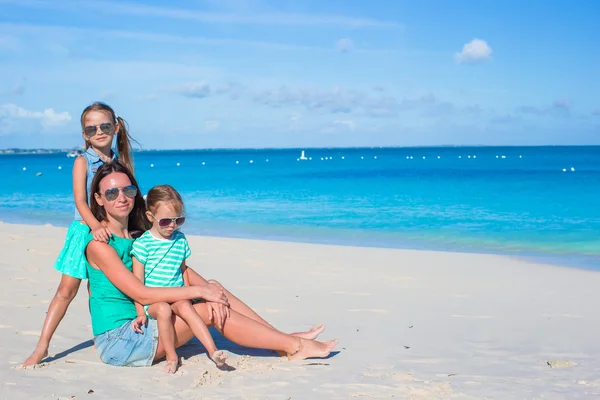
138 271
102 256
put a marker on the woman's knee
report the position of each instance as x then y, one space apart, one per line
218 284
214 282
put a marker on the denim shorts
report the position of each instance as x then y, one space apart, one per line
123 347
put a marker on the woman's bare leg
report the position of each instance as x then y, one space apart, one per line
163 315
184 310
66 292
239 306
250 333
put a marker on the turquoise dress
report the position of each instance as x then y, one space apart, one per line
71 260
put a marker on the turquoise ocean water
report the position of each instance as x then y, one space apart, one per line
505 200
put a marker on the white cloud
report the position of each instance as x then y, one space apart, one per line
48 118
199 90
475 51
316 100
68 33
558 108
229 18
345 45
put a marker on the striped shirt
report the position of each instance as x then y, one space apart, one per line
162 258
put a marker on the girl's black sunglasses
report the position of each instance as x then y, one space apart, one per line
107 128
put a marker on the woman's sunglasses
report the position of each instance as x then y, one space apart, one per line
164 222
112 193
107 128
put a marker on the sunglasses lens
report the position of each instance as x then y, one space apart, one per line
130 191
111 194
89 131
108 128
164 222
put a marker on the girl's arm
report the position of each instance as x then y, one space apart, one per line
184 267
184 273
138 271
81 200
104 257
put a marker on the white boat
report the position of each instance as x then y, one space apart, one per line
302 156
73 153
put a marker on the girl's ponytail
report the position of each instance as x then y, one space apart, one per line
124 144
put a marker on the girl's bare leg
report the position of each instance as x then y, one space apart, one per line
239 306
163 315
250 333
66 292
187 312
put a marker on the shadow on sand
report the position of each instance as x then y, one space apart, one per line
194 348
62 354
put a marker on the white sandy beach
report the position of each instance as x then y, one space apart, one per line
411 325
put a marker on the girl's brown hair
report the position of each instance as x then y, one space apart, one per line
137 223
163 194
123 137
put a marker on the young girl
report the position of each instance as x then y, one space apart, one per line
159 261
99 125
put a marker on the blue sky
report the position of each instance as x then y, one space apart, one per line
257 73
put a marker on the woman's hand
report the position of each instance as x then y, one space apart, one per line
218 314
137 323
101 234
212 293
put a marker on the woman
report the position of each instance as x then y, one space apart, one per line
118 204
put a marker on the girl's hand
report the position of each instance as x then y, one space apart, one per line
101 234
137 323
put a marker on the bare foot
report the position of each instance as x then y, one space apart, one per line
171 366
220 358
313 349
36 357
312 333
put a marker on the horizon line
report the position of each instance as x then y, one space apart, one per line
62 149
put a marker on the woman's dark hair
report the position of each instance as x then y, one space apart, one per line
137 218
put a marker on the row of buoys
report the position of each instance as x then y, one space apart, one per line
572 169
343 158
